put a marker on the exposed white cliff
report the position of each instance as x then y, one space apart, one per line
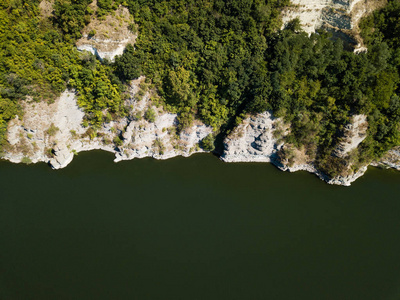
309 167
108 37
53 133
314 14
354 133
258 139
390 160
43 126
253 140
158 138
337 15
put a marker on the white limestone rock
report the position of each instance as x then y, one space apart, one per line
53 133
158 139
103 49
313 14
253 140
62 157
354 133
390 160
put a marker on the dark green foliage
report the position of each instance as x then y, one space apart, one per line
208 143
117 141
71 16
127 65
383 25
92 33
381 33
317 86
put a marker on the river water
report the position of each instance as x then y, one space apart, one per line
195 228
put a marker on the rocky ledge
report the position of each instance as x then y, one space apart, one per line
260 139
53 133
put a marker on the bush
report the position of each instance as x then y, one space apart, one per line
208 143
92 33
26 160
137 116
52 130
159 146
127 65
150 115
117 141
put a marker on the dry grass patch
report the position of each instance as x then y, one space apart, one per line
105 33
46 8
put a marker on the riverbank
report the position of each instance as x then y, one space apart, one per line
54 134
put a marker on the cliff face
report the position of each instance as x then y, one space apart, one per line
158 138
43 127
53 133
390 160
354 133
253 140
339 16
259 139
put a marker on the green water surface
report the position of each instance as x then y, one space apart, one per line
195 228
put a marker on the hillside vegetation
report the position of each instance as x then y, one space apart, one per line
213 60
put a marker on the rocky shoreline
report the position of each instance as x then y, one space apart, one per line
53 133
259 139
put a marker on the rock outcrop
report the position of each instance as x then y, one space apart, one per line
108 38
259 139
314 14
53 133
158 138
354 133
253 140
339 16
256 138
390 160
46 8
43 127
